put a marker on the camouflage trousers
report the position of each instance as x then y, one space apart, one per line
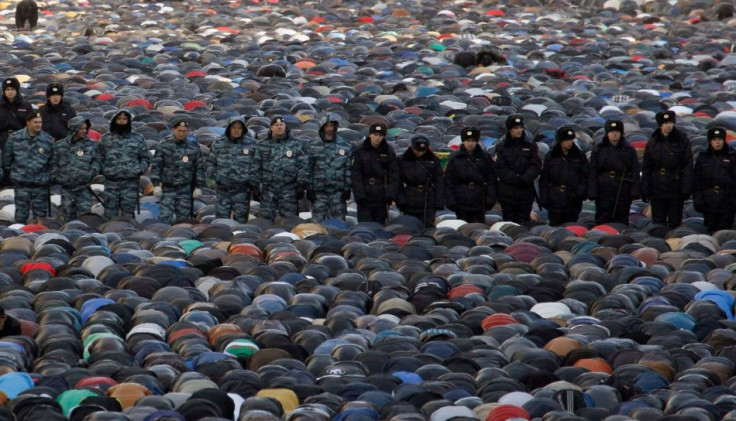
29 198
176 203
121 197
280 202
235 200
329 204
75 201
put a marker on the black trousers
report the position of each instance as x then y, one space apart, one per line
516 212
717 219
471 216
561 216
606 210
667 212
373 214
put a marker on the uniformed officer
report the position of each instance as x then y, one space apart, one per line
13 110
614 175
27 158
230 164
715 182
282 165
667 171
375 176
177 173
329 169
563 184
422 185
56 113
470 179
76 162
517 166
125 158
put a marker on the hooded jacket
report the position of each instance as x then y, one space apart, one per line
124 152
375 174
564 178
231 160
329 163
56 118
76 161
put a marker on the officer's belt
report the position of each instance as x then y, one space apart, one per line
665 171
613 174
561 188
717 189
420 187
472 185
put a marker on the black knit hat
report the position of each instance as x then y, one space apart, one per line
469 133
716 133
614 125
11 82
664 117
514 121
54 89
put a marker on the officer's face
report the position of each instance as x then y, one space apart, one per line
566 145
329 129
81 131
614 136
517 131
469 144
121 119
10 93
34 126
278 129
667 127
180 133
376 139
236 130
717 144
54 99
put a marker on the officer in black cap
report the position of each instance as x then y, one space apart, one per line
517 165
470 179
375 176
56 113
667 171
422 187
714 182
564 181
13 110
614 175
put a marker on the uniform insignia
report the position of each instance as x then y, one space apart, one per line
185 158
288 154
341 152
495 157
40 150
80 153
525 149
245 151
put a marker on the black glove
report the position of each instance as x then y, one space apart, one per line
311 195
299 193
255 192
346 194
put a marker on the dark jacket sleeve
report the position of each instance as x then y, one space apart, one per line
646 172
544 183
356 176
686 172
449 179
634 171
392 175
534 168
583 180
439 188
592 192
490 182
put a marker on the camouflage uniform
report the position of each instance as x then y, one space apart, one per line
125 158
230 164
179 167
76 162
329 169
282 165
28 161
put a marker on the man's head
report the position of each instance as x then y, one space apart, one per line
717 138
376 133
11 86
469 137
515 125
33 123
278 126
614 130
666 121
54 93
181 130
419 144
82 131
565 136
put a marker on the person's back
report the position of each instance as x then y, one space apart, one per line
26 11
